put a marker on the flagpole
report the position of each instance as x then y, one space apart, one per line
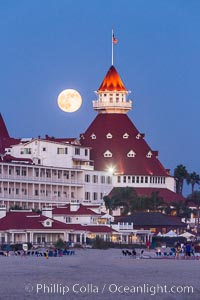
112 47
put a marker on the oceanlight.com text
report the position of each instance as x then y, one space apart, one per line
112 288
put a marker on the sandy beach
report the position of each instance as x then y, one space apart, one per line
98 274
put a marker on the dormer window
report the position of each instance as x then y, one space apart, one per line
93 136
138 136
107 154
126 136
47 223
131 153
109 136
149 154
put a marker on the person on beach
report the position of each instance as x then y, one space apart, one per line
178 250
188 250
193 250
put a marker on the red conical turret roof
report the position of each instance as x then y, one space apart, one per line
112 82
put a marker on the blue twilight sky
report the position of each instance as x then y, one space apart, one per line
51 45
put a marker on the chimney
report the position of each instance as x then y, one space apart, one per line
47 211
75 205
2 211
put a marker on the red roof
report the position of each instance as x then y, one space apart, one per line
83 210
112 82
23 220
3 130
5 140
125 137
30 220
167 195
10 158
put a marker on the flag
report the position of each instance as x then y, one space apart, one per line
114 40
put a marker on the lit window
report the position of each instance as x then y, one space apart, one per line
126 136
109 136
107 154
131 153
138 136
149 154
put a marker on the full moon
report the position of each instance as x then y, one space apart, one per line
69 100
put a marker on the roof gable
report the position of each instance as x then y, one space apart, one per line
119 125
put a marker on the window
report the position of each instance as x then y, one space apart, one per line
138 136
131 153
137 179
36 193
27 151
66 174
146 179
95 196
43 149
118 179
133 179
68 219
93 136
60 150
103 179
109 136
149 154
107 154
86 152
125 136
23 172
142 179
95 178
109 180
17 171
87 178
87 196
77 151
124 179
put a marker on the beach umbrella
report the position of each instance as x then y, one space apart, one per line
171 233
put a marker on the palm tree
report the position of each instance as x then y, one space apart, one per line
156 200
181 209
193 178
180 174
195 198
121 197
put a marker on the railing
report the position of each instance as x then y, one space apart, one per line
125 105
52 180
